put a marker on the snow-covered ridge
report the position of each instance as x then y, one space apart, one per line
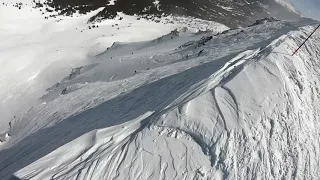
187 105
136 99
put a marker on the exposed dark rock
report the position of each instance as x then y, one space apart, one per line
204 40
231 13
264 20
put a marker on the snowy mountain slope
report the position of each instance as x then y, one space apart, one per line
185 106
231 13
36 53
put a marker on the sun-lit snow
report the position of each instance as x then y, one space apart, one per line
146 100
37 52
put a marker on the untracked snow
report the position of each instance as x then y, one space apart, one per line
186 104
36 52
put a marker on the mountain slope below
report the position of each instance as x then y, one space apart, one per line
197 106
231 13
37 53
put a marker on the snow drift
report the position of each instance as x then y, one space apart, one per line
186 105
235 105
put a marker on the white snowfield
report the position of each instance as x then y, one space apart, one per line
186 105
36 53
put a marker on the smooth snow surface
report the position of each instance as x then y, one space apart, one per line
185 105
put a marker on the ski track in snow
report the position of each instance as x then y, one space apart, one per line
243 108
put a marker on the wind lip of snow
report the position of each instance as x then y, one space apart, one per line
226 8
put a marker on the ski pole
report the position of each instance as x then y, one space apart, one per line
306 40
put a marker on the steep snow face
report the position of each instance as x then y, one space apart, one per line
183 106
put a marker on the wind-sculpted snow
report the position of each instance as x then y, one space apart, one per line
39 54
206 105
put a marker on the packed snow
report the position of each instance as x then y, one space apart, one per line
147 100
